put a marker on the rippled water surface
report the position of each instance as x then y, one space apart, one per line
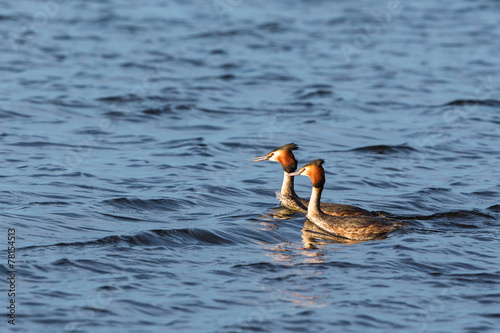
126 136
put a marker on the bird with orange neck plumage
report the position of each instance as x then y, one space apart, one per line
287 195
350 227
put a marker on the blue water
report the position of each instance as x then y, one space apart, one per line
126 136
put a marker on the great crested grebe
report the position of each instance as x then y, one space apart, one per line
355 227
290 199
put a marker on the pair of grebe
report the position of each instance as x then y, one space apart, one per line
342 220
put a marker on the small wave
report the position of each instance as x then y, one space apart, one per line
184 107
3 270
488 278
385 149
49 203
11 114
121 98
317 90
494 208
158 111
91 131
452 215
127 116
430 190
461 214
192 142
275 77
54 144
274 27
389 104
272 267
150 204
229 65
69 103
119 217
228 33
491 315
212 111
261 266
91 265
130 64
485 102
485 194
336 21
189 61
160 237
195 128
227 77
373 322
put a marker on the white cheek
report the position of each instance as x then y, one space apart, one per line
273 158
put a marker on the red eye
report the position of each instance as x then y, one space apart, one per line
272 154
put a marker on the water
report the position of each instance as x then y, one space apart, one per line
126 137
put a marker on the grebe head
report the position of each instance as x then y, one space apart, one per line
313 170
283 155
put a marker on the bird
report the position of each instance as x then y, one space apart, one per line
287 195
350 227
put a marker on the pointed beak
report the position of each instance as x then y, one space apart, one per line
296 173
261 158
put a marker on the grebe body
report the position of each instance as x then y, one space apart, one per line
353 227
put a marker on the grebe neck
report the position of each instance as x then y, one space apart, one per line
287 186
314 203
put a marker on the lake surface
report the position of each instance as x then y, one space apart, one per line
126 137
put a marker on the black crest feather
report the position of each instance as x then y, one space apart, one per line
289 147
318 162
